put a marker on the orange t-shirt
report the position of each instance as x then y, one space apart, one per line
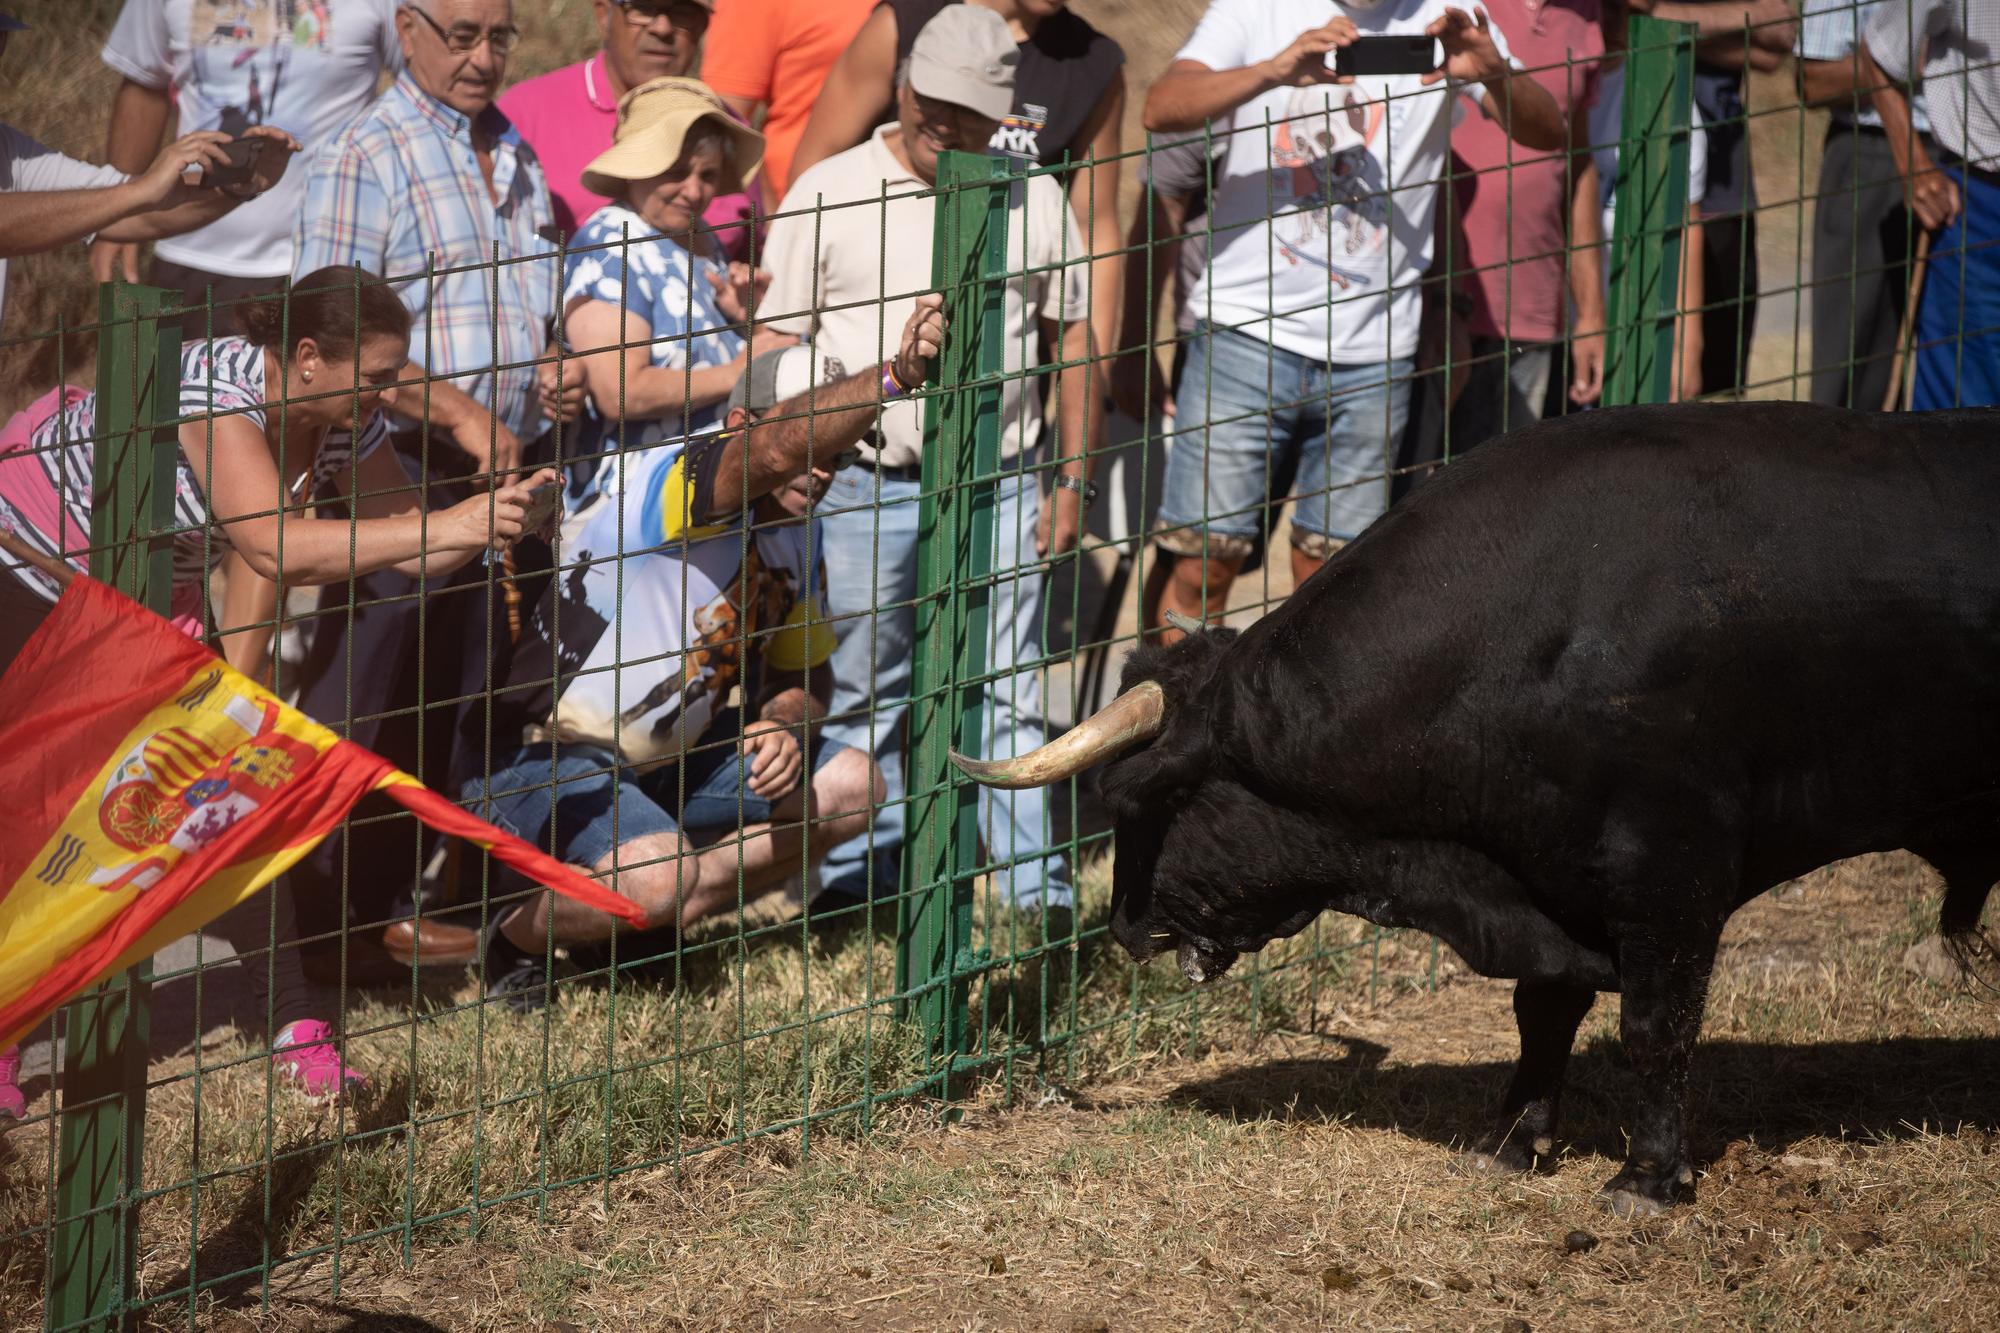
778 52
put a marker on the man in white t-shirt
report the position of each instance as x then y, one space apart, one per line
848 252
48 200
307 68
1321 227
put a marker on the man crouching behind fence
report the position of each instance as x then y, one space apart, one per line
694 569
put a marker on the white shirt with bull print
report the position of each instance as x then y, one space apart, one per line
1326 199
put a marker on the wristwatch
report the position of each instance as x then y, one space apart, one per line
1086 490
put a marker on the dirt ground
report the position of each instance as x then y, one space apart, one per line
1845 1112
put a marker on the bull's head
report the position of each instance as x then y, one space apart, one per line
1184 828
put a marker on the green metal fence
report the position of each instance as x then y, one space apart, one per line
163 1176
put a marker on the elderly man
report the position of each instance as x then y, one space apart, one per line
305 73
430 188
835 281
569 115
1863 230
1947 46
696 573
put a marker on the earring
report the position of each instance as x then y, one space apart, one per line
306 375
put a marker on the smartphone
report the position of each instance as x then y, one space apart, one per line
1407 53
543 502
240 170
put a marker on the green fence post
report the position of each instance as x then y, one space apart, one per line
1645 255
954 562
93 1252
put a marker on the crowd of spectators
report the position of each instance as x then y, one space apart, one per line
684 286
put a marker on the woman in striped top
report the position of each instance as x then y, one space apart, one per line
267 419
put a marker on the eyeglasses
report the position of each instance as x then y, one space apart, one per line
462 39
683 14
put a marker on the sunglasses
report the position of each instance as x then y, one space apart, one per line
683 14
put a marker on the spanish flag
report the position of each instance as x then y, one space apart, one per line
147 788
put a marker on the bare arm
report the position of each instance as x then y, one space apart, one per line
138 124
456 416
1835 83
1933 196
1772 24
153 204
768 453
1693 294
1513 100
1155 241
1586 279
1079 427
1093 195
613 351
246 620
231 455
856 96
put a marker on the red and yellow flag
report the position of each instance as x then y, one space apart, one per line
146 788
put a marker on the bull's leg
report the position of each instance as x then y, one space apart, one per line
1665 991
1548 1014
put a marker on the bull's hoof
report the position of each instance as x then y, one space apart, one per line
1507 1158
1632 1195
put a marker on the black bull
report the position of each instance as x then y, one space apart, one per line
1569 706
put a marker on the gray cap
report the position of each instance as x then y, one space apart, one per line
788 372
966 56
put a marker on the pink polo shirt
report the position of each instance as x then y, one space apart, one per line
1514 201
568 117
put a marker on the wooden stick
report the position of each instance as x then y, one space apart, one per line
59 570
1905 335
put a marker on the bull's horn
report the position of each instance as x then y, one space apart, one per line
1185 624
1134 716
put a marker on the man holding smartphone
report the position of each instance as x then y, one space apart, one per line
1322 227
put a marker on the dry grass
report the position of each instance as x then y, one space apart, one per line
1273 1155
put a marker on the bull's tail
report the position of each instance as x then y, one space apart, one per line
1965 940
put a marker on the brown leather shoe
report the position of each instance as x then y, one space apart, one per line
429 941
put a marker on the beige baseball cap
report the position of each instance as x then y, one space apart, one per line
966 56
654 121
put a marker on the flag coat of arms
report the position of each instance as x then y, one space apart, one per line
148 788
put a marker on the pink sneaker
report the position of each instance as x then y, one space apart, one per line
13 1106
305 1051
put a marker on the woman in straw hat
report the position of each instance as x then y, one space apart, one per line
651 306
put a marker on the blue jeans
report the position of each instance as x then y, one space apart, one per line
598 805
870 550
1246 409
1958 318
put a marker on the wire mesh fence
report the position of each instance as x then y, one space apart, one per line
730 674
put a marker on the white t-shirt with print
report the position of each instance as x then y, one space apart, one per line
850 249
1326 199
26 167
306 66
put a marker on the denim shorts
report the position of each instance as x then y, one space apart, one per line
593 813
1248 410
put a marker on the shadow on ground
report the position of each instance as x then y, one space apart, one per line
1773 1095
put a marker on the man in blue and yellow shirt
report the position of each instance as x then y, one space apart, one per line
693 569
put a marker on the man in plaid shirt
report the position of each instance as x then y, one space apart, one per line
430 188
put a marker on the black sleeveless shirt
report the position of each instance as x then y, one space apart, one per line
1065 68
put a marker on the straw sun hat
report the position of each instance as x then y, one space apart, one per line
654 121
